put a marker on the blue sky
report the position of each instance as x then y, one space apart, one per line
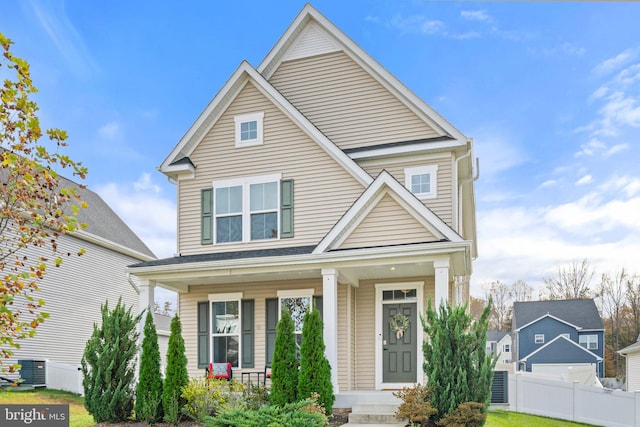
550 93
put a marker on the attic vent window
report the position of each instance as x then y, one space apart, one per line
248 129
422 181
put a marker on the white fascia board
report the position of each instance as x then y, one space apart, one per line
108 244
269 64
207 118
633 348
556 339
359 209
406 149
577 328
306 261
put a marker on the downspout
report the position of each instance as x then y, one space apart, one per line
472 178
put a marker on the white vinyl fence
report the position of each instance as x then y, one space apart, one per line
572 401
61 376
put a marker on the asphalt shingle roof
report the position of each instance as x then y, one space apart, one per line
225 256
579 312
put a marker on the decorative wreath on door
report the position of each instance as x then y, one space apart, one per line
399 324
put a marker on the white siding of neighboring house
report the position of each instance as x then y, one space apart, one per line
73 294
633 371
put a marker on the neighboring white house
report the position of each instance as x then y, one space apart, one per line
632 353
75 291
499 344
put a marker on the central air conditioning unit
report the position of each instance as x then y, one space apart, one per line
33 372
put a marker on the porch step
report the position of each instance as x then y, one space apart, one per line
374 414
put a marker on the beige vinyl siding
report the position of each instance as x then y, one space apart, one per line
74 293
366 336
323 190
257 291
443 204
346 103
387 224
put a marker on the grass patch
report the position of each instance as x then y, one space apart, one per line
508 419
78 415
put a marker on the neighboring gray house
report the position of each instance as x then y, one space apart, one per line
75 291
632 354
554 335
499 344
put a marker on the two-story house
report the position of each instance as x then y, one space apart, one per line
499 345
550 336
317 176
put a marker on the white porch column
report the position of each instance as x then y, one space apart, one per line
441 268
330 320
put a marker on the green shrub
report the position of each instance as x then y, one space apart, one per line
108 365
149 390
306 413
284 369
315 371
208 396
176 374
255 396
416 405
457 367
468 414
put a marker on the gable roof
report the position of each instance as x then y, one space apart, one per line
495 335
385 183
579 313
178 161
104 226
327 37
560 340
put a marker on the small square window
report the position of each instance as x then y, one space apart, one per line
506 348
248 129
422 181
539 338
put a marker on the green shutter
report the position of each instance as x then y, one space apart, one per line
271 308
286 209
206 207
203 334
247 333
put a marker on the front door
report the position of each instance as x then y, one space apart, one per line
399 343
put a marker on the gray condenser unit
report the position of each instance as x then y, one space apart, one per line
33 372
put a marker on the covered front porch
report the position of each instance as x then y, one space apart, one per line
358 291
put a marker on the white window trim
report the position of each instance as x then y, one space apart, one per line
244 118
432 170
294 293
233 296
588 341
535 338
506 348
246 204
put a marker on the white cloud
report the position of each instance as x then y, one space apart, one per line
149 213
475 15
110 131
432 27
616 149
609 65
584 180
497 150
590 148
527 242
549 183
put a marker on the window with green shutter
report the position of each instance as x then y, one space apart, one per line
286 209
206 217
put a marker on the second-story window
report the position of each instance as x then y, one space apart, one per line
590 342
539 338
506 348
247 209
422 181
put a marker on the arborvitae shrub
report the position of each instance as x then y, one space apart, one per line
176 376
457 367
315 371
284 369
108 365
149 390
